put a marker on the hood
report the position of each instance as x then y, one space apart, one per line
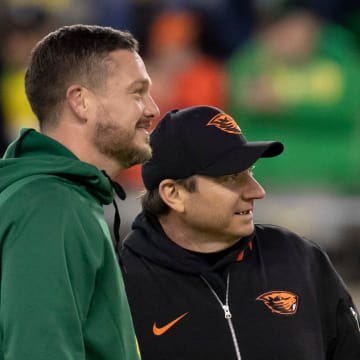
34 153
147 239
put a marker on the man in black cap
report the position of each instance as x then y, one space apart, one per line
203 281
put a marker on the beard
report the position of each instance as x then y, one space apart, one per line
119 144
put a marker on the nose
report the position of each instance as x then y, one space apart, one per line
253 190
151 108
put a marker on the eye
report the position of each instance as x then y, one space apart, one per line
139 89
229 178
233 177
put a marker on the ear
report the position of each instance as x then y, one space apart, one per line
172 194
77 98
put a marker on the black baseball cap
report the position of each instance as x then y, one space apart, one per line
201 140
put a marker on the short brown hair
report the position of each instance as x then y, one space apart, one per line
154 206
70 54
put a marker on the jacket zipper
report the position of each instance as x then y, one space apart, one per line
227 312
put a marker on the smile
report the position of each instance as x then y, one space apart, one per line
247 212
143 124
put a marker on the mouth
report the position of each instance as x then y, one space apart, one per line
246 212
143 129
144 125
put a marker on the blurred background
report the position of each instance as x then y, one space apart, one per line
285 70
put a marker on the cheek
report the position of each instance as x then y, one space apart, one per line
226 199
215 208
121 104
125 116
132 111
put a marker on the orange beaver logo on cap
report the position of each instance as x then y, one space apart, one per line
280 302
225 123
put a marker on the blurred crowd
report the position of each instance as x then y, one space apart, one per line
286 70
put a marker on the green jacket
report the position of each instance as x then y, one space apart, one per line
62 293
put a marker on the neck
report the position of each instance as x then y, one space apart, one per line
78 143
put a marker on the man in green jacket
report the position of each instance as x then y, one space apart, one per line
62 293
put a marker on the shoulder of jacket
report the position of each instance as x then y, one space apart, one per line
274 230
282 236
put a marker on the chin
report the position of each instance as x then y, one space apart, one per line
143 154
147 153
247 231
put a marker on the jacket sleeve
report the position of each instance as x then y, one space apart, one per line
339 310
347 343
47 282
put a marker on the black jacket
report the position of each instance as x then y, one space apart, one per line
285 300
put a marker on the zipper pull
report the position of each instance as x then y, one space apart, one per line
227 312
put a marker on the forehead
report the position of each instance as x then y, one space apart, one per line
128 65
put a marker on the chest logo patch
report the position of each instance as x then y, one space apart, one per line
163 329
280 302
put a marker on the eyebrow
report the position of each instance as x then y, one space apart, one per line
143 83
